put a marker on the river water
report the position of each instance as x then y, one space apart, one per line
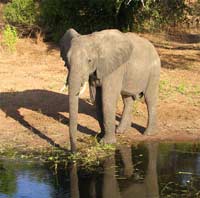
144 171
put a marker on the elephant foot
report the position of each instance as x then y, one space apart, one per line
119 130
150 131
108 140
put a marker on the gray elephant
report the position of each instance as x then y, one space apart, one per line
65 44
114 63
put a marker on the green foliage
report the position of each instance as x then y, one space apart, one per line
87 16
155 15
93 15
84 15
20 12
195 8
93 155
10 37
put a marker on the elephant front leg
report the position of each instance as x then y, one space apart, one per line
125 122
110 94
99 110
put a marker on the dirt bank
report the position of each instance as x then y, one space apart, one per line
34 114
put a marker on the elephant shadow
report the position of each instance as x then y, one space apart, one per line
48 103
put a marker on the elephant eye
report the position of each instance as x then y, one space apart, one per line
89 60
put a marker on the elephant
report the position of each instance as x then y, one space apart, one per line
65 44
114 63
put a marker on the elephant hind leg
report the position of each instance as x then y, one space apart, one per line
151 95
125 122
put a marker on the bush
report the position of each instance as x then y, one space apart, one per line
10 37
84 15
155 15
92 15
21 14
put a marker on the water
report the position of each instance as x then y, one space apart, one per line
145 171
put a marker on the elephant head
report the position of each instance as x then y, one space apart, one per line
97 55
65 44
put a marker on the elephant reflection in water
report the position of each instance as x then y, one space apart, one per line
110 187
74 190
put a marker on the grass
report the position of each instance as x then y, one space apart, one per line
181 88
87 157
93 154
196 90
165 88
168 88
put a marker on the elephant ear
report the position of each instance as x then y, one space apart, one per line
65 43
113 51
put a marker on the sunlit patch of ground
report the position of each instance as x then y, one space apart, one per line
34 114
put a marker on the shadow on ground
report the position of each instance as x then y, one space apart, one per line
48 103
45 102
183 37
173 61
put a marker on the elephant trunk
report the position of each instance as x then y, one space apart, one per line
65 86
74 88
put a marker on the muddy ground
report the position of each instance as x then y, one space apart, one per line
34 113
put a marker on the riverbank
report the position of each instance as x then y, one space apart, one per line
34 113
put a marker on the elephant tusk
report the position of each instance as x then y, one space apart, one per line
63 88
83 89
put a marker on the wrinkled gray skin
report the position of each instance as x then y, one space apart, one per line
65 44
114 63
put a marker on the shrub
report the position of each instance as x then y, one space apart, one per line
22 14
10 37
92 15
84 15
155 15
